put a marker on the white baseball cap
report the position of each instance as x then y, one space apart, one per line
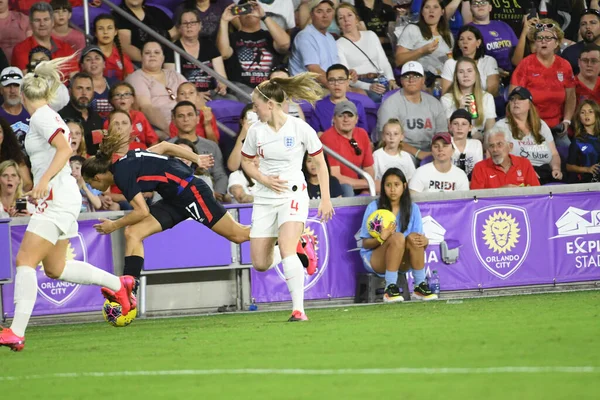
11 75
412 66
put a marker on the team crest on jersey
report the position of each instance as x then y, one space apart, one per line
560 76
289 141
139 126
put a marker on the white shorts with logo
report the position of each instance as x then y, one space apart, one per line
56 216
267 217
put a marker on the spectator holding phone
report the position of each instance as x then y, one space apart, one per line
11 192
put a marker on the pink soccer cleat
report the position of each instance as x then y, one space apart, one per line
10 340
124 297
298 316
307 253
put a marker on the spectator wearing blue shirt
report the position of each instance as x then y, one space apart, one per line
338 83
314 48
401 245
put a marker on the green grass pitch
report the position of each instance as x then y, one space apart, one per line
358 352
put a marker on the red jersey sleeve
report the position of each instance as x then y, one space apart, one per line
328 140
478 177
150 136
519 77
569 76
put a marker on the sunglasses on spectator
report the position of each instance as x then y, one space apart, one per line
73 120
591 61
480 3
540 27
354 145
125 95
545 38
171 94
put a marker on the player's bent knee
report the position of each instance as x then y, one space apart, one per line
130 233
261 267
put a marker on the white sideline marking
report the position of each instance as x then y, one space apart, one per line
371 371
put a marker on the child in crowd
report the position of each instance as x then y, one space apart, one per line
583 164
389 152
61 30
118 64
77 142
401 245
309 168
90 197
467 152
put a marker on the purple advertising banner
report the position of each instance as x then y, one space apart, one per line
502 242
5 269
57 297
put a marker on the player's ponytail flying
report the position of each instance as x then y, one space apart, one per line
43 82
101 162
303 86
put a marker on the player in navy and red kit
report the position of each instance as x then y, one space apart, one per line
183 195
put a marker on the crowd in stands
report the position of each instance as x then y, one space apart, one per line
458 95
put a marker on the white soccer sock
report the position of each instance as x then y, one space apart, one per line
294 277
25 296
86 274
276 257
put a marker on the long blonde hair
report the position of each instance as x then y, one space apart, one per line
477 90
43 82
4 165
303 86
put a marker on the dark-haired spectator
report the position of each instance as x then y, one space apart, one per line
421 114
42 21
122 98
11 150
587 82
531 137
133 38
589 29
14 28
429 41
117 64
12 109
207 127
583 164
209 12
441 175
352 143
62 13
499 38
203 50
37 55
186 118
502 169
470 45
363 53
80 109
338 82
550 80
251 52
92 62
309 168
156 87
314 48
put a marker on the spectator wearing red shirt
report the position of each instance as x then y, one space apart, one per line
502 169
353 144
587 83
63 12
550 80
41 20
122 97
14 28
207 127
118 64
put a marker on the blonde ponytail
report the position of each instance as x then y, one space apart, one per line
46 78
303 86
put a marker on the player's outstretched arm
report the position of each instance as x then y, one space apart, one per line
169 149
325 207
140 211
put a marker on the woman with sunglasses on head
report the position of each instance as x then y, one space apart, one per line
156 87
550 80
280 206
58 207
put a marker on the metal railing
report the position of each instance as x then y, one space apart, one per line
241 94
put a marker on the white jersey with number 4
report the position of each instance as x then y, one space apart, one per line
63 203
281 154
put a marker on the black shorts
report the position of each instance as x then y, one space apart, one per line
196 201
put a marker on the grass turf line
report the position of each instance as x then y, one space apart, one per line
539 330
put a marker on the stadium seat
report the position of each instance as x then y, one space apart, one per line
370 287
77 17
307 109
228 113
426 160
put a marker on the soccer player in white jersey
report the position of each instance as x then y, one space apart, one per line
58 206
280 198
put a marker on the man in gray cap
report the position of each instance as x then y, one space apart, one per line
12 110
352 143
